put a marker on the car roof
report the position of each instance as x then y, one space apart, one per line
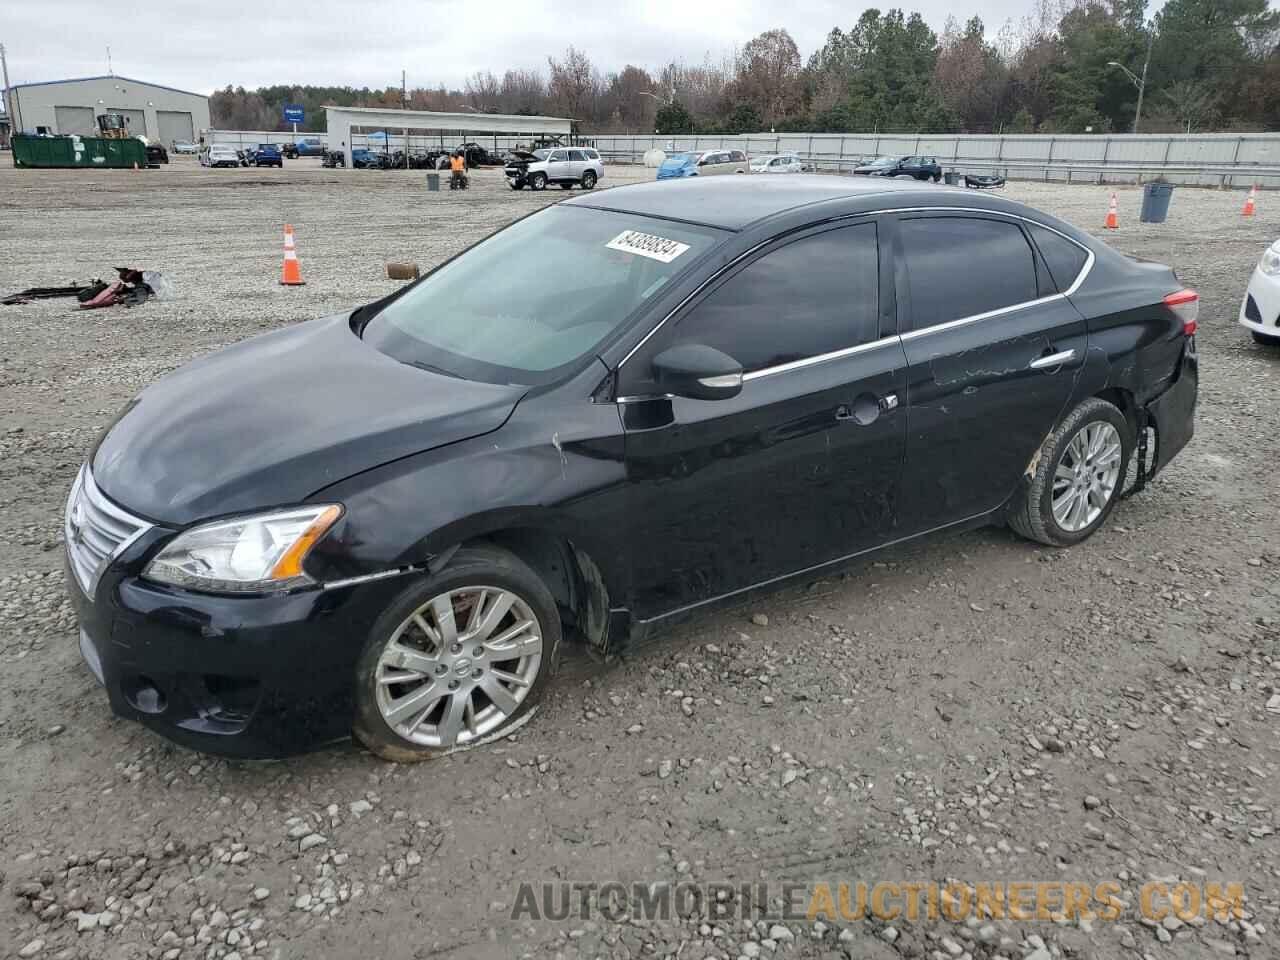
733 203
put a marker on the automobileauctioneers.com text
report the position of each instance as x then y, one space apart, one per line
886 901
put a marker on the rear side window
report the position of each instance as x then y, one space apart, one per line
576 156
738 156
591 155
959 267
1064 258
813 296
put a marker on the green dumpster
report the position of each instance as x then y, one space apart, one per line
78 152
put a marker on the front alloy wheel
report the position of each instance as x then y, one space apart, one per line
538 181
459 666
457 659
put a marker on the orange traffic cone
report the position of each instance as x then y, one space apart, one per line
1113 215
1248 203
292 276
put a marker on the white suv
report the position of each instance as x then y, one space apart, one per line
563 165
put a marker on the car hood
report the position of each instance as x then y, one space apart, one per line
276 418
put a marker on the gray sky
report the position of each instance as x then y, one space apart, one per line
202 46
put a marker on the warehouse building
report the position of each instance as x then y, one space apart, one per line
64 107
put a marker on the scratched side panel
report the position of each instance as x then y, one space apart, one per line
978 412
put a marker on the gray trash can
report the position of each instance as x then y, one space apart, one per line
433 181
1155 202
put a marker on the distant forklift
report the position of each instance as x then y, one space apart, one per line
113 126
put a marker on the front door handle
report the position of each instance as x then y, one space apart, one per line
1053 360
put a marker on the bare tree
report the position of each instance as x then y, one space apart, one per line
483 89
768 75
573 83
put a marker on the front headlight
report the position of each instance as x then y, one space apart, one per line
247 555
1270 262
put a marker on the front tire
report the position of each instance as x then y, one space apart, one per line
457 659
538 181
1078 477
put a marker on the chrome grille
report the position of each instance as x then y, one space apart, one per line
96 531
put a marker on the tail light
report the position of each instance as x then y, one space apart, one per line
1186 304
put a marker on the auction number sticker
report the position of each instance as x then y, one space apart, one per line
647 245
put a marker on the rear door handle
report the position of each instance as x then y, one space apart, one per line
1053 360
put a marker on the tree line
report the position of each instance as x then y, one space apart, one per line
1069 66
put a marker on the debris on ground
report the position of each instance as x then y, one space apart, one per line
133 288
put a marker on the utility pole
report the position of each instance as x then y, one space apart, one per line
10 105
1142 85
1139 82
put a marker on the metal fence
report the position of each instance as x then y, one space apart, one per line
1210 159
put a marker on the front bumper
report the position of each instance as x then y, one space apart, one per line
253 677
1260 308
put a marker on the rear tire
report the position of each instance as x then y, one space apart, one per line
1266 339
406 738
1071 472
589 180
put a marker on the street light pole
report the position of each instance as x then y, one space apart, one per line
1139 82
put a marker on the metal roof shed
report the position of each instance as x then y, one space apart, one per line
340 120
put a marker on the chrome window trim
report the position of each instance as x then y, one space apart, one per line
911 334
820 358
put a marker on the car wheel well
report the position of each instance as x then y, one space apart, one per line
569 573
1123 401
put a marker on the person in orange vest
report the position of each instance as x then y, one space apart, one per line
458 164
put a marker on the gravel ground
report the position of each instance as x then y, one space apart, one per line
975 708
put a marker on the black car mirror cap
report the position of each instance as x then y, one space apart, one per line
698 372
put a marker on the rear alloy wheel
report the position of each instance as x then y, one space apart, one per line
589 180
1078 477
458 659
538 181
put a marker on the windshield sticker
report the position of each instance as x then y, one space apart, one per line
647 245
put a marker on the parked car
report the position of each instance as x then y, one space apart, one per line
478 156
334 158
777 163
364 159
563 165
156 153
268 155
218 155
737 384
306 147
183 147
702 164
918 168
1260 310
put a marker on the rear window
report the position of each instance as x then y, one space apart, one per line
1064 258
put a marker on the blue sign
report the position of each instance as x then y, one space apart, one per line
292 113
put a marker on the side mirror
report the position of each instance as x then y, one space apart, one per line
698 372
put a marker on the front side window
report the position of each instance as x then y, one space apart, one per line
960 266
558 156
813 296
538 296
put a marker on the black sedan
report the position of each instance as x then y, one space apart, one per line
917 168
387 520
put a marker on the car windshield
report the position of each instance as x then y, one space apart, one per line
679 160
542 154
535 298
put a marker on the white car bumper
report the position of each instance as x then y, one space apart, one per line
1263 314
